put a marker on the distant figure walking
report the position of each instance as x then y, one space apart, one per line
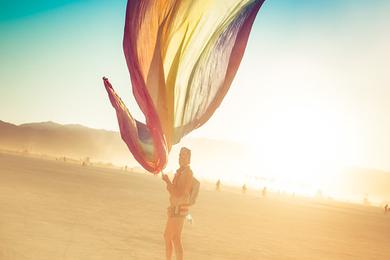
244 189
264 192
218 185
387 208
180 191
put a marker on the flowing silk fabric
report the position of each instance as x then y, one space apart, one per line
182 56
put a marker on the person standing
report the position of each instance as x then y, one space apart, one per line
179 190
218 185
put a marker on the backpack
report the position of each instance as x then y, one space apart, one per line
194 191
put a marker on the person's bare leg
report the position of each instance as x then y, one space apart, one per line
168 239
178 248
168 249
177 227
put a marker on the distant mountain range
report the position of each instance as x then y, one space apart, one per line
74 141
79 142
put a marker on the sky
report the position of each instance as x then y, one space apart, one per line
313 88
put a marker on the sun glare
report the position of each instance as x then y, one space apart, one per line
303 148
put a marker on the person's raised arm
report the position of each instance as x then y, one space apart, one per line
180 187
168 182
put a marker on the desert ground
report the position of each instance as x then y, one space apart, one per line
56 210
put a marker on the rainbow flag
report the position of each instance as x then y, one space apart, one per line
182 56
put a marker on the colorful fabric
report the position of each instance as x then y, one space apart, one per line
182 56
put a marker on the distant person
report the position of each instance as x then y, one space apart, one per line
181 194
365 200
244 189
386 208
264 192
218 185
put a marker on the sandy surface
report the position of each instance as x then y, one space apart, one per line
56 210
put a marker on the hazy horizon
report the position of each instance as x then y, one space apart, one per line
212 160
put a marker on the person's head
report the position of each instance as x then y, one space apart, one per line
184 156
